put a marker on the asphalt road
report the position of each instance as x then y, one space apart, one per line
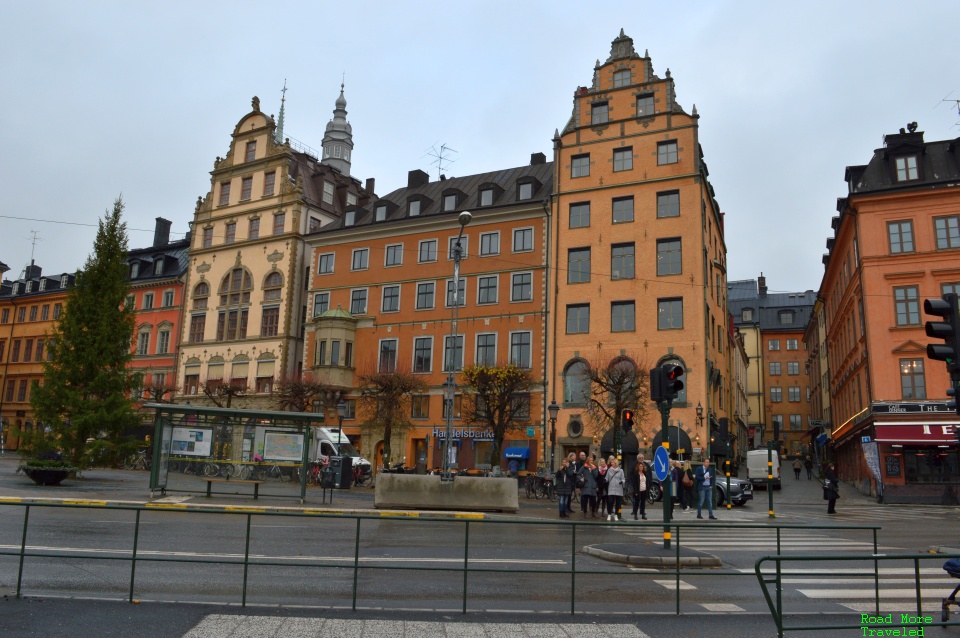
409 566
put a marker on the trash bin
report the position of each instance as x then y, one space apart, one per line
342 469
327 478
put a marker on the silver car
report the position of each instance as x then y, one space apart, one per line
741 491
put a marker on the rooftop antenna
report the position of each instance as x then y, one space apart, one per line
946 98
34 238
441 157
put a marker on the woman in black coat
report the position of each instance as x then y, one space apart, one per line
564 478
640 479
831 488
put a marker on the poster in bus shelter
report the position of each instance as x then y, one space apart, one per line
191 442
282 446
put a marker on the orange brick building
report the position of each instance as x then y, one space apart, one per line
639 259
28 308
382 295
896 242
156 293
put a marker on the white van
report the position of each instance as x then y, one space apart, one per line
333 442
757 468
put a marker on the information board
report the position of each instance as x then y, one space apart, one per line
191 441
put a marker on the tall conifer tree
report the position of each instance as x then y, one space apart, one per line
86 384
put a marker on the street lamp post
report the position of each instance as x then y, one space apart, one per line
699 420
450 385
553 409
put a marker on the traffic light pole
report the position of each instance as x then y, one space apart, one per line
770 445
726 449
667 490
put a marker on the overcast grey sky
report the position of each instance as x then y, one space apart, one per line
101 98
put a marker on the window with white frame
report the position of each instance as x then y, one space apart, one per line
525 191
361 257
388 356
489 244
163 342
325 264
423 354
776 395
380 213
793 344
452 353
793 367
486 197
487 349
167 298
391 299
321 303
450 202
522 240
453 244
520 349
521 286
907 168
394 255
487 289
358 301
425 295
461 292
427 251
413 208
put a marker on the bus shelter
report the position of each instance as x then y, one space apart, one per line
196 448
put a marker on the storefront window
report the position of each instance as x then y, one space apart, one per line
931 465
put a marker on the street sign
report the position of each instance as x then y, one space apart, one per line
864 439
661 463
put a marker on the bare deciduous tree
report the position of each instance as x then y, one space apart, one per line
298 393
385 401
617 385
498 397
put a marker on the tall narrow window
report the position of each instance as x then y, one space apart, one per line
669 257
207 237
599 113
453 354
278 221
578 319
269 182
413 209
522 287
520 349
246 188
388 356
391 299
231 233
254 230
901 236
907 305
947 231
197 323
911 379
422 354
622 261
321 303
224 193
163 342
486 349
327 192
425 295
487 289
270 324
358 302
578 265
251 153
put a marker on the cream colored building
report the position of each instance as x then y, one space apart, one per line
245 296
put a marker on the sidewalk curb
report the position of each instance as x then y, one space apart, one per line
706 560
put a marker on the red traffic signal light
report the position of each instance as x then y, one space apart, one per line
672 381
626 421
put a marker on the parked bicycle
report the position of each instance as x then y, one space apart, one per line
138 461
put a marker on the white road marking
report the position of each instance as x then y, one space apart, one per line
886 607
721 607
910 593
672 584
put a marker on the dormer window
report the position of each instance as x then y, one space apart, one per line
907 168
486 197
158 266
64 279
599 113
328 192
413 208
134 269
351 199
43 284
621 78
450 202
29 286
525 191
381 213
350 218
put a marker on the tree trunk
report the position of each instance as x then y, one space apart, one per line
496 452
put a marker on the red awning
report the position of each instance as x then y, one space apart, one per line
922 433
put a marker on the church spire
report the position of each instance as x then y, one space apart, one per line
278 134
338 139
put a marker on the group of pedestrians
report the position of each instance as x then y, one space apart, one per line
603 484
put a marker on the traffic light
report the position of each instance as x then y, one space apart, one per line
656 385
627 420
949 331
672 385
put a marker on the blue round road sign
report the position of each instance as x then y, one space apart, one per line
661 463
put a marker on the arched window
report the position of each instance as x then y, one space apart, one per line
234 299
200 293
271 286
576 382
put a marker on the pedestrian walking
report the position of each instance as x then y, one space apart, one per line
602 487
639 480
687 481
705 479
808 463
797 464
831 488
587 480
572 462
564 478
615 483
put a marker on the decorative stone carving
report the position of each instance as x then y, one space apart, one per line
255 102
204 267
274 257
239 261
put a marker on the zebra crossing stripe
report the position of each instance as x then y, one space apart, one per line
906 593
721 607
672 584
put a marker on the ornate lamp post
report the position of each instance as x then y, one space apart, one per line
553 409
699 422
450 385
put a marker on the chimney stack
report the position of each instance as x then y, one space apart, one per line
32 271
762 285
537 158
161 232
369 187
417 178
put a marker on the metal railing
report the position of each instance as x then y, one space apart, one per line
358 563
775 603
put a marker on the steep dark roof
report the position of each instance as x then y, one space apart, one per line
17 288
938 164
175 261
313 174
768 309
505 184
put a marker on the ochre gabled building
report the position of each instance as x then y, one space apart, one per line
639 258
